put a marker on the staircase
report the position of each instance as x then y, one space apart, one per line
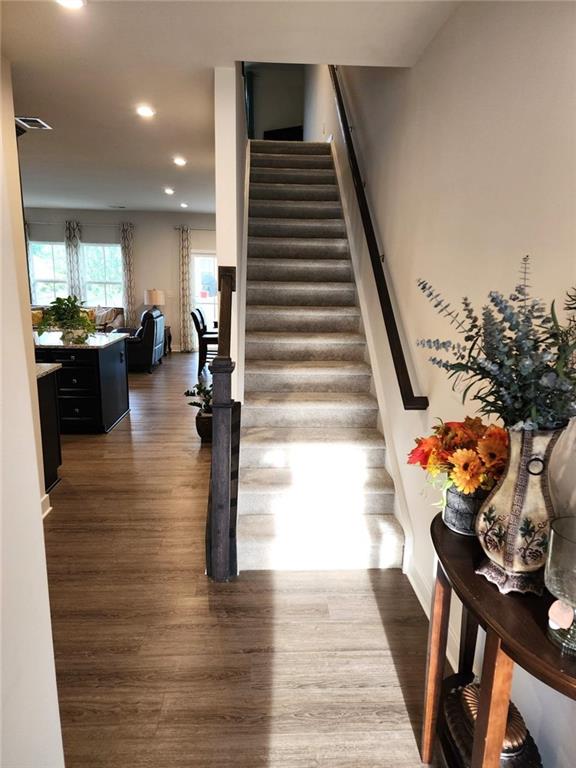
314 492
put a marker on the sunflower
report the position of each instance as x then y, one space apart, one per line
493 448
467 472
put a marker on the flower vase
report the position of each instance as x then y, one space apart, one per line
513 524
460 510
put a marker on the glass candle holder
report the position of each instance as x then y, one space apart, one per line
560 577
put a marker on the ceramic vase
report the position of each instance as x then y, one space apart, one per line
513 524
460 510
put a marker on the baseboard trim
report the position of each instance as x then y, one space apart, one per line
45 505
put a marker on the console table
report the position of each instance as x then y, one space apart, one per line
516 627
92 382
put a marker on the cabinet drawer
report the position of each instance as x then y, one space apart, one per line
74 378
79 408
75 357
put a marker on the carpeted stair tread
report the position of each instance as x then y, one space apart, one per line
298 247
294 209
294 160
258 146
293 192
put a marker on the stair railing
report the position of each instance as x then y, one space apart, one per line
410 401
221 558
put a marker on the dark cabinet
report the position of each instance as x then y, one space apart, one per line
92 384
48 405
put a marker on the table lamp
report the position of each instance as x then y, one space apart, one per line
155 297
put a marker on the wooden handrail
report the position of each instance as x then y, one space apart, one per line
410 401
221 521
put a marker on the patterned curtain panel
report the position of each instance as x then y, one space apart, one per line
186 340
127 245
73 237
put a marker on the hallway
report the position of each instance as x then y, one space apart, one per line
159 668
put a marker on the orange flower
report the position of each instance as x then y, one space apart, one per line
424 447
467 472
493 448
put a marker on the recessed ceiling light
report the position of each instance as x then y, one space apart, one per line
72 5
168 190
183 205
145 110
178 160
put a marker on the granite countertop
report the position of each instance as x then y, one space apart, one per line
44 369
94 341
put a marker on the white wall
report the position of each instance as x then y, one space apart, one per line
278 97
231 147
30 717
156 246
470 163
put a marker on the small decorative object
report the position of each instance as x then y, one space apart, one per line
560 578
519 363
204 415
461 711
69 316
471 456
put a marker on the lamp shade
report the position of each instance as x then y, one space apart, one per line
155 297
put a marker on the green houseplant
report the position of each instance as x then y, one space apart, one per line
203 402
518 362
69 316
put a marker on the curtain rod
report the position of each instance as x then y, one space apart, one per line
115 224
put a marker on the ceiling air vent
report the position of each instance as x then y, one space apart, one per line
33 124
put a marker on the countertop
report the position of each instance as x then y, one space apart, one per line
94 341
44 369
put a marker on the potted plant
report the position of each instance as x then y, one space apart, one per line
519 363
470 456
69 316
203 402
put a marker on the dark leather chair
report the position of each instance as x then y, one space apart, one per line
205 339
145 345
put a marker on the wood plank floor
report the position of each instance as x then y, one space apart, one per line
158 668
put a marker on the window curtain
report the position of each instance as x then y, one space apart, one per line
127 245
72 239
186 339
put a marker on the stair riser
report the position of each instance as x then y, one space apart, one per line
260 381
258 350
278 321
324 228
291 209
267 269
259 146
277 160
271 248
308 417
275 456
306 296
371 544
311 192
292 176
269 504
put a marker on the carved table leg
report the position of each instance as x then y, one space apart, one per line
495 685
437 637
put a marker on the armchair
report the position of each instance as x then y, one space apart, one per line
145 345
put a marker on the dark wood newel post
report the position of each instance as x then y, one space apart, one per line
220 543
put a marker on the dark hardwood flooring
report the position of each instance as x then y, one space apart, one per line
158 668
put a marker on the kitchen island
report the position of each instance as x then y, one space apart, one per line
92 382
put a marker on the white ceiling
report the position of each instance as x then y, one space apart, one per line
83 73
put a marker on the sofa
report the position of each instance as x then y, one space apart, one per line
105 318
145 345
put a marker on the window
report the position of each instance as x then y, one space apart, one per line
101 275
48 271
205 287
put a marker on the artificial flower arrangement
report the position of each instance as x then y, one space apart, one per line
471 454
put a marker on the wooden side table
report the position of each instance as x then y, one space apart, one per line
515 626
